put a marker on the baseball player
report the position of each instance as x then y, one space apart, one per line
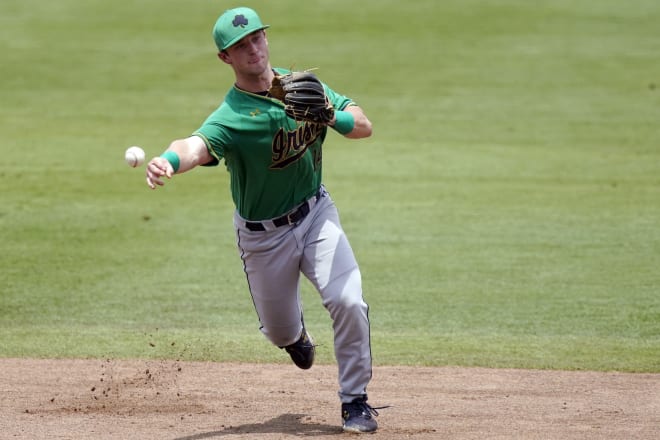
285 220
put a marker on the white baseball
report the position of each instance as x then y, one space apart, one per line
134 156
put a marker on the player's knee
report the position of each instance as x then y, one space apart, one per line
349 307
282 336
351 300
344 294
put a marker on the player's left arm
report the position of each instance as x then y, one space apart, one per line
362 125
349 118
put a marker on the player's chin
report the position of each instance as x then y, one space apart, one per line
258 64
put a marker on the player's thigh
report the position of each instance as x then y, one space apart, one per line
273 277
328 257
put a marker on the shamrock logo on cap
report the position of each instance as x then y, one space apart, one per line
240 20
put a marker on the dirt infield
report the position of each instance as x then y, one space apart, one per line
111 399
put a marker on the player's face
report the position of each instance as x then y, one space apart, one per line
250 55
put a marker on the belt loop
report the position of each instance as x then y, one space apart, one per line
255 226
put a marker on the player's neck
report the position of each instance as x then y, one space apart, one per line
256 83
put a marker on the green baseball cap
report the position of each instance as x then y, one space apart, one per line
235 24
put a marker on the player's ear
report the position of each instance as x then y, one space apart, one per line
224 57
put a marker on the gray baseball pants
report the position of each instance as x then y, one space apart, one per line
318 248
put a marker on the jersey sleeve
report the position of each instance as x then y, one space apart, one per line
214 136
338 101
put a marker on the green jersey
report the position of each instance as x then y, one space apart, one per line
275 163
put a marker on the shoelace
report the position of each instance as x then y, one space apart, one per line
360 408
304 345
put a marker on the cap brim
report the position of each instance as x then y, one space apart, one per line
243 35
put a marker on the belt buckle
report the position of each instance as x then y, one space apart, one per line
289 220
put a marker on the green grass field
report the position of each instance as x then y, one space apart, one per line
506 212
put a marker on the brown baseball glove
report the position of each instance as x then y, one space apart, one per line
303 96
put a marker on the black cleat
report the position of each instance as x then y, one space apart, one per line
358 416
302 352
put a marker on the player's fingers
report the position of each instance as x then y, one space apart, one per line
155 170
153 177
151 183
160 167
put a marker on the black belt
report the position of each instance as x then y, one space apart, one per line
291 218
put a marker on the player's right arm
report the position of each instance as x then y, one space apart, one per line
190 152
